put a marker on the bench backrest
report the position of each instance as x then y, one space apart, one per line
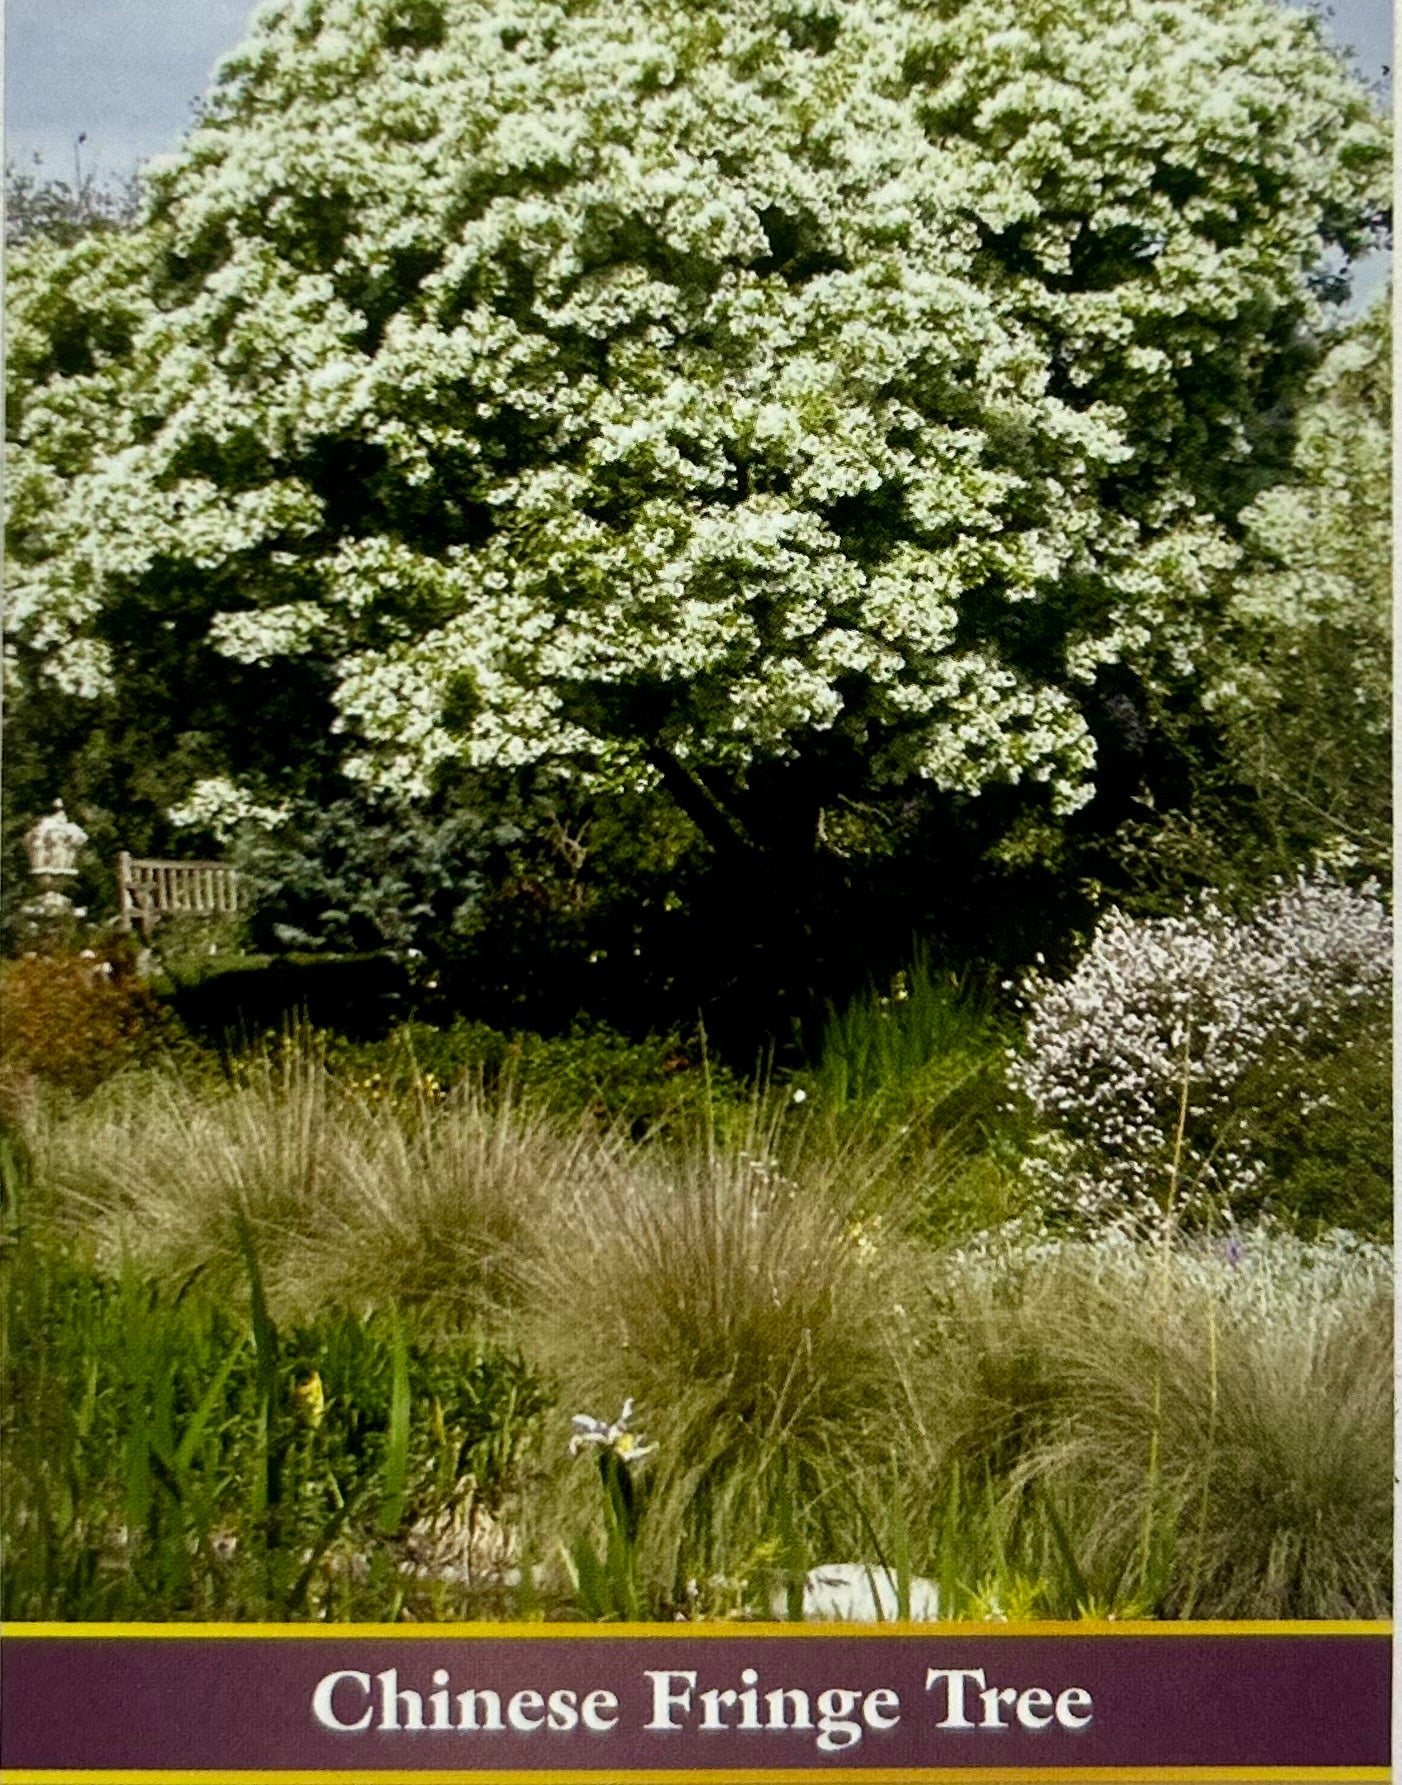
150 890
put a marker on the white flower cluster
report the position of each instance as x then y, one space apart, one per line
1132 1062
221 806
831 367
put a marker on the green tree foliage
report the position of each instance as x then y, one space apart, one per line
1306 682
62 211
827 415
1294 763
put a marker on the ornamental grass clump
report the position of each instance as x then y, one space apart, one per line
746 1308
1209 1425
457 1207
163 1172
346 1199
1240 1403
1134 1063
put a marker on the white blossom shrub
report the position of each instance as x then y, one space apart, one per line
1132 1064
651 389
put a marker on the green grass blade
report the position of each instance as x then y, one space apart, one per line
587 1577
265 1335
297 1592
900 1557
396 1464
949 1547
792 1549
195 1426
1079 1587
264 1475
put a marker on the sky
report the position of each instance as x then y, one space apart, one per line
126 73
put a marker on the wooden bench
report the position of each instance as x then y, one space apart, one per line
150 890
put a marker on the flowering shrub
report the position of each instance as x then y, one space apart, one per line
1135 1062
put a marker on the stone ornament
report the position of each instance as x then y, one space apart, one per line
53 844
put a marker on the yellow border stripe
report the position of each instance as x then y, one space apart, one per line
17 1632
873 1775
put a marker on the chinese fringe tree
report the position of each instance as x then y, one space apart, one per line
808 410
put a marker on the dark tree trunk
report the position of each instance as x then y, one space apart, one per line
763 938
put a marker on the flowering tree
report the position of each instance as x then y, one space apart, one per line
772 403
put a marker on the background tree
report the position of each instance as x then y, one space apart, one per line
1296 764
37 204
833 419
1305 683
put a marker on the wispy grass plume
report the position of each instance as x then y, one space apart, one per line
747 1307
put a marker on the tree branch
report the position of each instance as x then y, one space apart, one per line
702 805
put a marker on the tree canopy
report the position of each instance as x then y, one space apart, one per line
775 403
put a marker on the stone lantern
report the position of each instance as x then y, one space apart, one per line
52 846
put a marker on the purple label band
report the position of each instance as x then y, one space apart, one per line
624 1705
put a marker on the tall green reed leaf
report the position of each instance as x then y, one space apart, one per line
396 1461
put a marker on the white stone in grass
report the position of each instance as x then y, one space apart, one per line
858 1593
